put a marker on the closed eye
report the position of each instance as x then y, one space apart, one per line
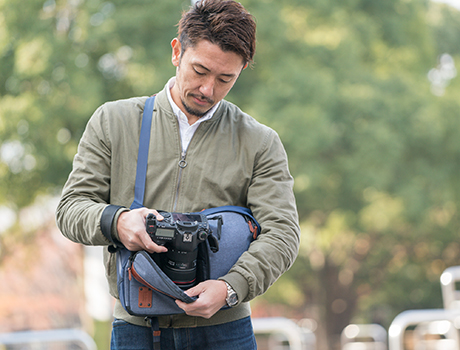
199 73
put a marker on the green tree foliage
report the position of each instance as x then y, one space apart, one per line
374 149
59 60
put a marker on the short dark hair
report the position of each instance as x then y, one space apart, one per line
225 23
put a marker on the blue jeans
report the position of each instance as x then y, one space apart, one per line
236 335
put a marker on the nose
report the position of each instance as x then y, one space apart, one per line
207 87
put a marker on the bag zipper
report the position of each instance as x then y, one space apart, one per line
130 264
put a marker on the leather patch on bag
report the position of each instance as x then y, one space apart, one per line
145 297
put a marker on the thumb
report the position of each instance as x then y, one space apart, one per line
194 291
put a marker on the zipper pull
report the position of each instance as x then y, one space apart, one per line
130 265
182 162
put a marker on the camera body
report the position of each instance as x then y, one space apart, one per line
181 233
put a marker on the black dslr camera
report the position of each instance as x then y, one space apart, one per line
181 233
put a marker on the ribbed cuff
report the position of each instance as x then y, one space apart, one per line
108 217
238 283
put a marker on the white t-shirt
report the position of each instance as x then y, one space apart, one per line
186 130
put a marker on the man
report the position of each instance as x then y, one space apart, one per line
204 153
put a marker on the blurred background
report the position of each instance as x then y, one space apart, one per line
363 93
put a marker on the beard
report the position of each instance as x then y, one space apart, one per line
194 111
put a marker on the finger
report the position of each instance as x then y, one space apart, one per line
146 212
191 309
150 245
194 291
146 241
181 304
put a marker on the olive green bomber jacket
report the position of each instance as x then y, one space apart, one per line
231 160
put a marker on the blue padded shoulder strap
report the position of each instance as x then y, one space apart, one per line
143 154
231 208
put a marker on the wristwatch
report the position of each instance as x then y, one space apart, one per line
232 297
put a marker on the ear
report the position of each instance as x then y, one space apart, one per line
245 66
176 51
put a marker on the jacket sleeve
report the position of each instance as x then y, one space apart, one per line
272 201
86 194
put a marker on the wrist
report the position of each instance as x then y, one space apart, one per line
108 222
232 297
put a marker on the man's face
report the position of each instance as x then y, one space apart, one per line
204 76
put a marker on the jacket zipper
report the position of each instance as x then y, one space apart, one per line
182 164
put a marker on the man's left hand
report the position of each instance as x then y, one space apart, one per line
211 298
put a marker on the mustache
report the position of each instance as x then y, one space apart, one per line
203 98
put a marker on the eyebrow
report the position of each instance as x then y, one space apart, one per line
208 70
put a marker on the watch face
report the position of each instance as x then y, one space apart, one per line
232 299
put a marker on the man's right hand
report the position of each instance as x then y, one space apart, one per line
132 232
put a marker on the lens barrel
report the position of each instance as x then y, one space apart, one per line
180 267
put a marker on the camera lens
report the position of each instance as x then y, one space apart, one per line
180 267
